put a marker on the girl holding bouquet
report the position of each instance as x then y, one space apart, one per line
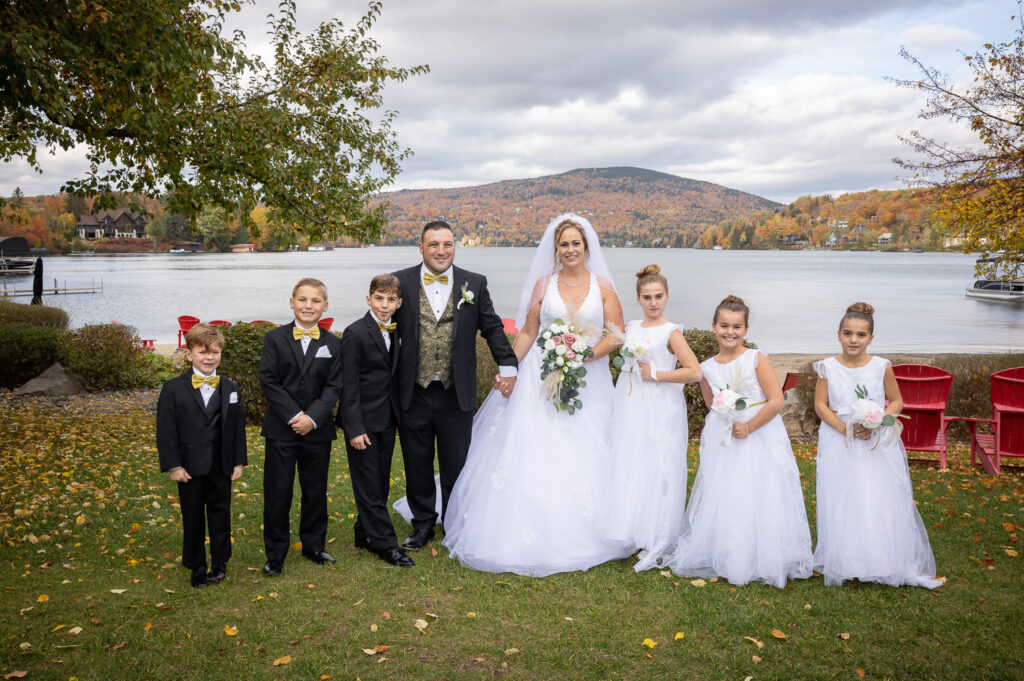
530 496
745 520
868 526
648 482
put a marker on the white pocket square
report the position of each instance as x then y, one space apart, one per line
322 351
233 398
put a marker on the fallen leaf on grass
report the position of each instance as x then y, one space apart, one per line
698 583
433 552
679 636
373 628
382 649
756 642
25 645
477 659
386 615
149 625
57 628
421 625
665 573
297 546
74 631
1010 552
649 643
755 659
120 645
42 598
118 591
778 634
16 675
282 660
1008 527
845 636
230 630
511 651
860 672
471 615
430 616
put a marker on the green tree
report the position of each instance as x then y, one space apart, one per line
17 199
980 189
215 228
166 103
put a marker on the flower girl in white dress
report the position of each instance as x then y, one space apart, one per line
868 526
746 519
648 487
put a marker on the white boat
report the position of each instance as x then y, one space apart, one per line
1004 290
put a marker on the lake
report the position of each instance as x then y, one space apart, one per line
796 297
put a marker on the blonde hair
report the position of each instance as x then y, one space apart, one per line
314 283
560 228
861 311
650 275
733 304
204 335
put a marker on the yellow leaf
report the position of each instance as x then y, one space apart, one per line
421 625
845 636
42 598
74 631
118 591
759 644
778 634
860 672
511 651
258 598
57 628
297 546
471 615
373 628
282 660
679 636
324 677
230 630
1008 527
149 625
713 580
80 520
649 643
698 583
1011 552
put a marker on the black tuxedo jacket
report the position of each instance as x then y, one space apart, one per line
186 432
293 383
469 318
368 401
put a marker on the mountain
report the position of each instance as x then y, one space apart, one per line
631 206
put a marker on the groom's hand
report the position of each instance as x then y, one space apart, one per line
504 385
360 441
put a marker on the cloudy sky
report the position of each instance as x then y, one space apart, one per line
779 98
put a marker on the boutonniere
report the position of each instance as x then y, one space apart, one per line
467 296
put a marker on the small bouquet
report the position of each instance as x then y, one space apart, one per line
868 413
561 365
634 348
729 402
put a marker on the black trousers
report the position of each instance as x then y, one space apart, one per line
282 459
370 470
205 503
433 415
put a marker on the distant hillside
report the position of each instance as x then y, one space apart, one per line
626 205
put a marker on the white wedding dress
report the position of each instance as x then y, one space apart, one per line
530 497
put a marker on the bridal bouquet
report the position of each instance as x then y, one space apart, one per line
632 346
561 365
729 402
871 415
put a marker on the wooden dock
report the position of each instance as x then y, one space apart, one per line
56 289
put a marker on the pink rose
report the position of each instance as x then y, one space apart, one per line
874 417
570 355
558 340
569 338
718 399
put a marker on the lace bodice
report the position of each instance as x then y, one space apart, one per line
843 382
739 375
591 312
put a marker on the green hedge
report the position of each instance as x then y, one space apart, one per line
109 357
26 350
240 361
36 315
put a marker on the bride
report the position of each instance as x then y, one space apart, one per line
530 495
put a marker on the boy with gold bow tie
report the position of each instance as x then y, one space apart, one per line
200 436
300 373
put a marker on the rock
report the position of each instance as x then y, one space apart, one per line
799 419
54 382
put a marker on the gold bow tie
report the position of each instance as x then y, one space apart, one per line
387 327
429 278
298 332
212 381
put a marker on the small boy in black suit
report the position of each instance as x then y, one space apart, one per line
368 415
300 373
200 436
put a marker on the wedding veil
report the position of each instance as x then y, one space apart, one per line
543 265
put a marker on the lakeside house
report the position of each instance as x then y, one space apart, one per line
112 224
242 248
885 239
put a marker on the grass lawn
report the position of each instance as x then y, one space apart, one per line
92 588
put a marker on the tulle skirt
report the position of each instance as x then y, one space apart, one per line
868 526
647 495
746 519
530 496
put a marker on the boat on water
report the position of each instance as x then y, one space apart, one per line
14 267
1001 290
11 247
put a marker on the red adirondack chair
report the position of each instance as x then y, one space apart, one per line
510 326
792 378
325 323
185 322
219 322
924 390
1007 436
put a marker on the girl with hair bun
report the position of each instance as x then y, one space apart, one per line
868 526
746 519
648 482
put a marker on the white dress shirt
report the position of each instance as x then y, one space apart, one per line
305 341
387 336
206 390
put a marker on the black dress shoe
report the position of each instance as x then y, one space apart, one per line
272 569
319 557
363 542
199 577
418 539
395 556
216 574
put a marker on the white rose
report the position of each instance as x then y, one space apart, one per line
579 346
561 349
549 345
560 360
546 335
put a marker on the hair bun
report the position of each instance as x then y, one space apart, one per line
648 271
861 308
734 300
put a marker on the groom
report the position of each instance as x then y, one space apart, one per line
444 308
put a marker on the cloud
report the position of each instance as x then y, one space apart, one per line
933 36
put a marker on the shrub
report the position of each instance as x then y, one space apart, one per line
36 315
240 361
26 351
107 357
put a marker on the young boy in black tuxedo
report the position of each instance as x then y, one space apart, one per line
300 373
368 415
200 436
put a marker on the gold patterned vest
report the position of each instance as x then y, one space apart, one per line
435 343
